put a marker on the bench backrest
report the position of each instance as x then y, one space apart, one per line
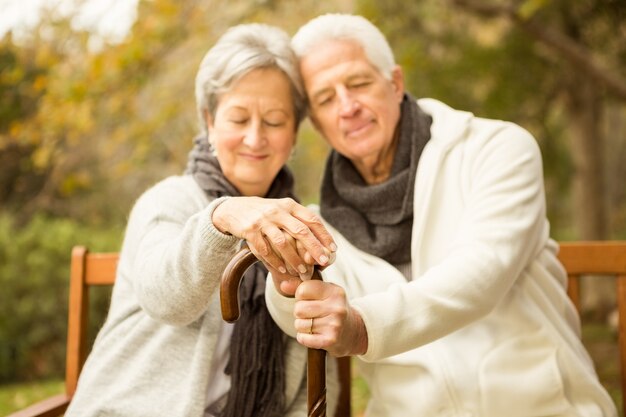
87 269
600 260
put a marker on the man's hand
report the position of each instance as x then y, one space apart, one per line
325 320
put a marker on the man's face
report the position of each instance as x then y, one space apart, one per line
352 104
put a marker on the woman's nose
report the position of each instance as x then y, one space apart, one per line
254 136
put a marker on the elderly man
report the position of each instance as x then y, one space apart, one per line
446 286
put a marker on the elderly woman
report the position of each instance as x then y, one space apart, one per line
164 349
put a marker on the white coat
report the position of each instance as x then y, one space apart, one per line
484 327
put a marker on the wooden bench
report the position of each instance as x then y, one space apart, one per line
599 259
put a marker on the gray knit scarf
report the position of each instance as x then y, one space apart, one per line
378 218
257 347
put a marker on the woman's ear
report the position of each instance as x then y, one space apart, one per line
208 120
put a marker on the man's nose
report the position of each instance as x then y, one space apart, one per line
348 105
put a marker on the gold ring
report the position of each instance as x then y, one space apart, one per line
311 328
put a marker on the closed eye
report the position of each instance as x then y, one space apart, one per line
324 100
360 84
273 123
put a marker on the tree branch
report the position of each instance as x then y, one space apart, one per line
581 58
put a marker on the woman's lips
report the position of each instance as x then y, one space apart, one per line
253 157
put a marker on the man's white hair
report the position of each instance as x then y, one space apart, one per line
336 26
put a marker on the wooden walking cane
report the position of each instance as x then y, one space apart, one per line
316 361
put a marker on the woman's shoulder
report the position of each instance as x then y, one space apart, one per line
179 192
176 183
175 186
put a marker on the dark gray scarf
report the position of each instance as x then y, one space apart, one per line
257 348
378 218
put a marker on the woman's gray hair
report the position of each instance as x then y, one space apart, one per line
337 26
240 50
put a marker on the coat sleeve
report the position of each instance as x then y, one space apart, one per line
280 307
501 228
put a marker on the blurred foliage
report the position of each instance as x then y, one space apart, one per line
34 277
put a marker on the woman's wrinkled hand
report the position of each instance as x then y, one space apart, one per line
283 234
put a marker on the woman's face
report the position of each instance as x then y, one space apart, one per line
254 130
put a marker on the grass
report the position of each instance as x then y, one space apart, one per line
14 397
600 340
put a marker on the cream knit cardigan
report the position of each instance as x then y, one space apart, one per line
153 354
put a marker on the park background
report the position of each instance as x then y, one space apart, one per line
89 119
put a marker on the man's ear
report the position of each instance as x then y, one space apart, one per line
315 123
397 80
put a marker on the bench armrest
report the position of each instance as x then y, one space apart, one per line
50 407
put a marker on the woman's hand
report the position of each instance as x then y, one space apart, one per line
268 226
287 283
325 320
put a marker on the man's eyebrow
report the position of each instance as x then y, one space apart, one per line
349 78
358 75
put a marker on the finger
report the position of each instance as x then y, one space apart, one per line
316 326
286 284
322 333
314 223
290 286
290 269
294 243
256 241
314 290
300 232
304 254
309 262
269 259
283 245
320 341
308 274
320 299
313 341
304 310
305 325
